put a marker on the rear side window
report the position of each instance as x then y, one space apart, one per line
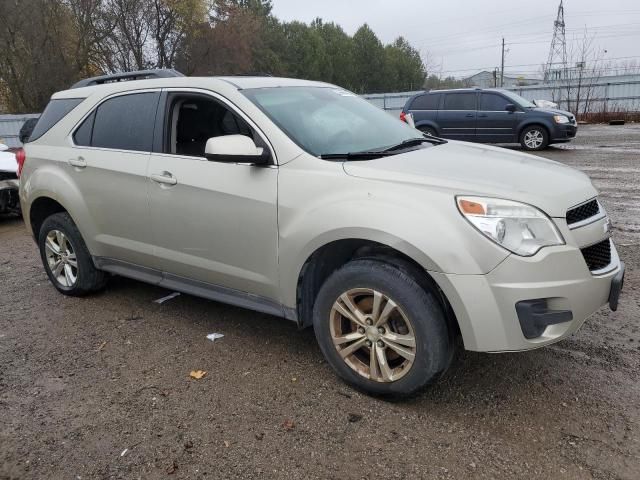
460 101
124 123
426 102
53 113
492 102
82 137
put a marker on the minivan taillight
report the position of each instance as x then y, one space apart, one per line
21 156
403 117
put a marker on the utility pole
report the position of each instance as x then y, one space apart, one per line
502 67
495 77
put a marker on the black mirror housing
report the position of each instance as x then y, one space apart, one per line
510 107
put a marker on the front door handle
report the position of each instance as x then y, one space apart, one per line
482 115
164 178
78 162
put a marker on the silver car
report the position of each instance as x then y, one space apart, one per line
300 199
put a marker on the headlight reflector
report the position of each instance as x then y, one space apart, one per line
560 119
518 227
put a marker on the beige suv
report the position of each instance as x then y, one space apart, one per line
300 199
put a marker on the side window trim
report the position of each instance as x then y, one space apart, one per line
93 112
162 118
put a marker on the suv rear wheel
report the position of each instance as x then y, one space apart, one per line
534 137
428 130
380 330
66 258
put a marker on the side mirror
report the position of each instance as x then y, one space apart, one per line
3 147
510 107
235 149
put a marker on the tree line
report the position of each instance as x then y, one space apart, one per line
47 45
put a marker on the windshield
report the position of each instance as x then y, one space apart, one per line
518 100
329 120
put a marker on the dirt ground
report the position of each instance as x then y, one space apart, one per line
99 387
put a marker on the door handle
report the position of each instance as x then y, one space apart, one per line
78 162
164 178
483 115
469 115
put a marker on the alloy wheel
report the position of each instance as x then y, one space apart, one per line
373 335
533 139
61 258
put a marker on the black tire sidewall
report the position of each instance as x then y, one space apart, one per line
424 312
429 131
89 278
545 138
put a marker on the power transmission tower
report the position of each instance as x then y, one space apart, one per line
556 67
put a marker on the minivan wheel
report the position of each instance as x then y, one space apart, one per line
66 258
428 131
380 330
534 138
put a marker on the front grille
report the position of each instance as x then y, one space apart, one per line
582 212
597 256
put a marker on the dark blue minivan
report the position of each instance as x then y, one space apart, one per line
489 116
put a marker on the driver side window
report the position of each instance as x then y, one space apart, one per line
193 119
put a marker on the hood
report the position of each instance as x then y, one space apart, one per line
553 111
469 169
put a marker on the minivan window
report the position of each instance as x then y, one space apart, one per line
126 122
426 102
460 101
492 102
55 111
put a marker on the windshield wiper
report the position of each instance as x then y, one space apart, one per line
355 155
411 142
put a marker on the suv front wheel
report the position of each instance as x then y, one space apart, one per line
380 330
534 137
66 258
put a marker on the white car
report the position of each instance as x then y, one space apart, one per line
303 200
8 181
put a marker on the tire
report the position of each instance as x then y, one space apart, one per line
418 314
428 130
77 275
534 137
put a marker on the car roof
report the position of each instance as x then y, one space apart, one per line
226 82
463 90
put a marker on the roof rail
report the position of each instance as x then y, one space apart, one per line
126 76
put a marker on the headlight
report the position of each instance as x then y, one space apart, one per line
518 227
560 119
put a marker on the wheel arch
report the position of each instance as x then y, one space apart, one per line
534 123
329 257
40 209
428 123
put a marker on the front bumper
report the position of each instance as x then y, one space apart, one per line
9 197
485 305
564 132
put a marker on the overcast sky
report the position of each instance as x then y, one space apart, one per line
464 36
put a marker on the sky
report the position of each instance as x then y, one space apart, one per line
462 37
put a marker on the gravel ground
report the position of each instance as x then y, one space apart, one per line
99 387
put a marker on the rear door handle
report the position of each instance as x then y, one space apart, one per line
78 162
470 115
164 178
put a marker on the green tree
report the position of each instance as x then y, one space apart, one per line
404 69
369 61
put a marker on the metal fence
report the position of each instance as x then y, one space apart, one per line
10 126
612 94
